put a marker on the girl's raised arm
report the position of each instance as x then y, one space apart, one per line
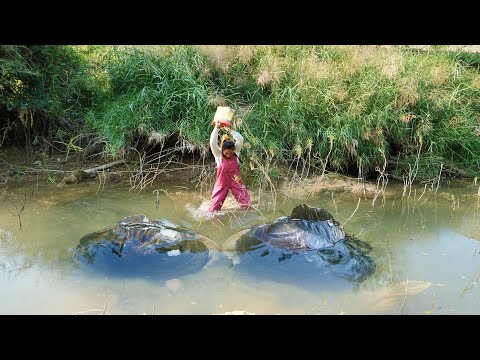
238 141
216 151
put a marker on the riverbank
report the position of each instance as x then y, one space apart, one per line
190 172
348 109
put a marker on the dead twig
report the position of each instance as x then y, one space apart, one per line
18 212
103 167
383 178
405 298
105 307
439 176
101 178
89 310
157 199
354 211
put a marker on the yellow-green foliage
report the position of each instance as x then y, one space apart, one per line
367 101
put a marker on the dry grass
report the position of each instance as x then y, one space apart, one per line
245 53
408 94
339 92
357 58
392 63
331 182
467 48
356 108
476 82
377 137
270 71
439 74
312 68
216 99
424 128
406 118
221 56
156 138
440 96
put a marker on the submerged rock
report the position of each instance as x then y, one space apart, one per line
138 247
309 243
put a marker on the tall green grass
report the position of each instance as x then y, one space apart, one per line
293 102
44 91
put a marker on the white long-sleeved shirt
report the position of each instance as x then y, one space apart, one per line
217 150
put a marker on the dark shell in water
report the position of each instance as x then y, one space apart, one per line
308 244
137 247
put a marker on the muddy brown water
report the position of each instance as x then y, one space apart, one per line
426 247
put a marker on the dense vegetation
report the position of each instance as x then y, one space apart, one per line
352 109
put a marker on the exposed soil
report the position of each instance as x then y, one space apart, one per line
16 169
333 182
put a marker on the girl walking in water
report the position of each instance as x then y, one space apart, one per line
228 169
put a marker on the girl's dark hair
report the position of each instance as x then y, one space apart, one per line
228 145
